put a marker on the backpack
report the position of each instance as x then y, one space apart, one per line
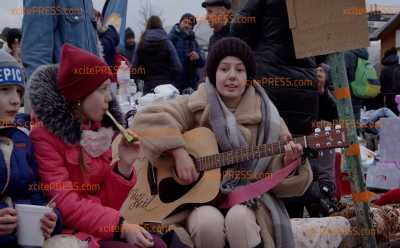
366 84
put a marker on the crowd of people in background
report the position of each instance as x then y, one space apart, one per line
156 52
74 145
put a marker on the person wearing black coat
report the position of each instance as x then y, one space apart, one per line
190 53
389 87
109 40
156 53
319 197
219 16
129 48
272 42
321 193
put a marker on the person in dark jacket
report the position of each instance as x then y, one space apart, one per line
129 49
109 39
319 198
219 17
270 38
390 88
323 187
19 182
14 37
156 53
189 52
351 58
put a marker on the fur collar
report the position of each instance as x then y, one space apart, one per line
50 107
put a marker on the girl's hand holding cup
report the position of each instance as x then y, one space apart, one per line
8 221
48 222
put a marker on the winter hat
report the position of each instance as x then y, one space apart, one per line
10 71
129 33
230 47
80 73
190 17
226 3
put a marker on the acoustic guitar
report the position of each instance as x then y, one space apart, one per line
158 190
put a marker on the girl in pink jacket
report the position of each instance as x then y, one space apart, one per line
73 150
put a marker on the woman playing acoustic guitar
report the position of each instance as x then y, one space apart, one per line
239 114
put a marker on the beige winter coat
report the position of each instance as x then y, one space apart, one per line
160 127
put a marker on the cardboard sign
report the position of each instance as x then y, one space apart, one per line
326 26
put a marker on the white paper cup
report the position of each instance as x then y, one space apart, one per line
28 231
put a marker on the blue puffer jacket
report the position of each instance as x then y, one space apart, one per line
23 177
184 44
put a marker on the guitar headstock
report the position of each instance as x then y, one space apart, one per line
328 138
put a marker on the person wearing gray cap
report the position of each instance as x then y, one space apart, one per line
219 16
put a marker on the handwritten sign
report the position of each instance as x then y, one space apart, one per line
324 26
139 200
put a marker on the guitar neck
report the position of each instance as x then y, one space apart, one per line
245 154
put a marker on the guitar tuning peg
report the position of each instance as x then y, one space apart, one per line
317 132
328 129
338 127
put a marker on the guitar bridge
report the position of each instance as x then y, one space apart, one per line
152 179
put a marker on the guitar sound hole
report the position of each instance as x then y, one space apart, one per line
170 191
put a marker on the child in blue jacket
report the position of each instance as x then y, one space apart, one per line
18 174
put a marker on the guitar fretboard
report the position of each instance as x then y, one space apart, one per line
243 154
